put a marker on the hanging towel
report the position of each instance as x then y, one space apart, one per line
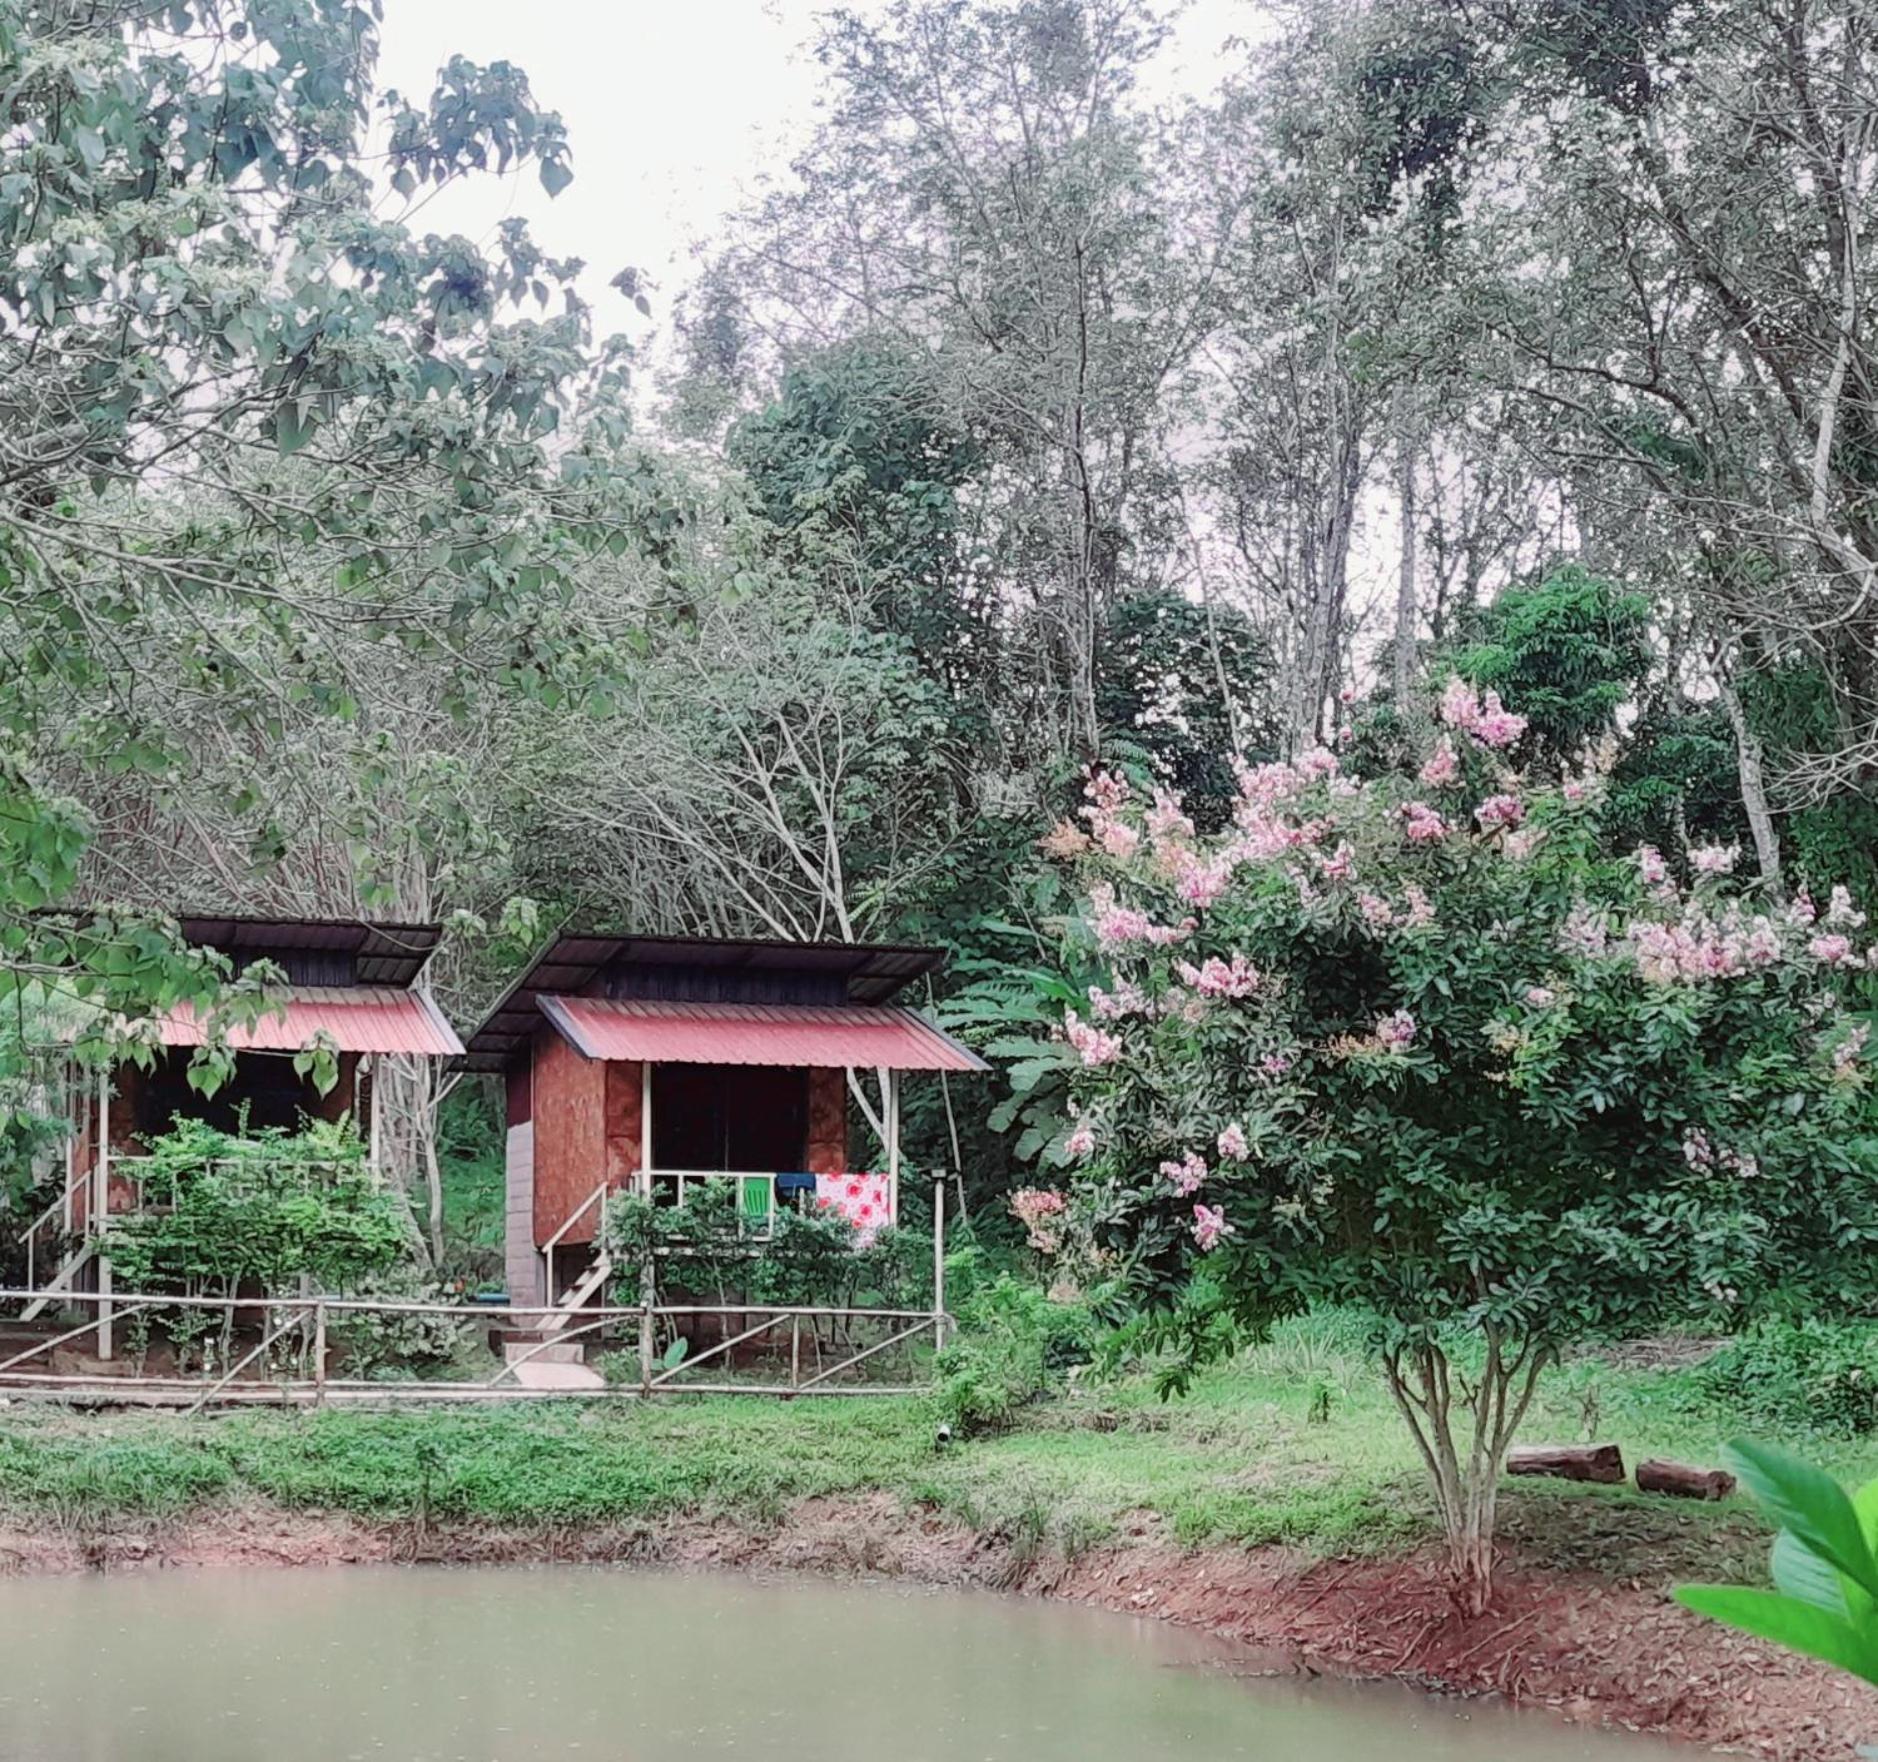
864 1200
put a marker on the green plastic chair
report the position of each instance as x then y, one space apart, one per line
753 1199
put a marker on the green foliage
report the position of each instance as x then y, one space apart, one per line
1185 686
1479 1075
264 1210
1569 651
1835 838
247 404
813 1258
1676 778
475 1182
1825 1564
1423 1047
395 1347
1014 1346
859 447
1810 1374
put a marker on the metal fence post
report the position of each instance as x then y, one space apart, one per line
319 1352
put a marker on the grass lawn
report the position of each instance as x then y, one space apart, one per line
1239 1460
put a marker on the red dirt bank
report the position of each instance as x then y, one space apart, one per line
1618 1654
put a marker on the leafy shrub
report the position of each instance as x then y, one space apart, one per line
1015 1343
398 1345
1809 1374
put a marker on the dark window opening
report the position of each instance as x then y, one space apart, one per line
749 1117
266 1091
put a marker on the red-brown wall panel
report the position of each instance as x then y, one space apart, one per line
625 1119
570 1136
828 1121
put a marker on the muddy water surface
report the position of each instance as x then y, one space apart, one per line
543 1665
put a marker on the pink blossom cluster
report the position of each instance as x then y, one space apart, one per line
1377 912
1081 1142
1714 859
1117 925
1319 762
1040 1210
1096 1046
1423 824
1265 785
1834 949
1186 1175
1485 721
1232 1143
1698 947
1442 766
1845 1055
1340 865
1214 977
1420 912
1584 932
1541 996
1651 869
1165 822
1202 881
1500 811
1518 846
1127 999
1107 794
1209 1225
1840 910
1396 1031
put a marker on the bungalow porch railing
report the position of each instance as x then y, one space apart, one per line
297 1331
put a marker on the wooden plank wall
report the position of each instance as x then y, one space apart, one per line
828 1122
625 1121
570 1136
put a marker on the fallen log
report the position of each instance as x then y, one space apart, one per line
1684 1481
1568 1462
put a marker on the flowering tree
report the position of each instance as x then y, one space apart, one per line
1420 1045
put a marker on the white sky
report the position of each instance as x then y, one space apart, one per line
675 108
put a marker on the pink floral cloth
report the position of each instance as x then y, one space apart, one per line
866 1201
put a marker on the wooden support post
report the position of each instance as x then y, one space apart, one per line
939 1259
893 1147
648 1298
366 1079
99 1208
1568 1462
105 1309
319 1352
644 1182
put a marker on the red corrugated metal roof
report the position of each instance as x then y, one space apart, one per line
358 1018
824 1035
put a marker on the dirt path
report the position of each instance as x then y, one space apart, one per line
1619 1654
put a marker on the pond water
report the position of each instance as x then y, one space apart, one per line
502 1665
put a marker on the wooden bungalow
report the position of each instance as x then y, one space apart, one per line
656 1063
349 986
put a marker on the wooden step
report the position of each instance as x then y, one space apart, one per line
543 1349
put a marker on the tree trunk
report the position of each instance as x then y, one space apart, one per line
1466 1487
1406 606
1753 789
